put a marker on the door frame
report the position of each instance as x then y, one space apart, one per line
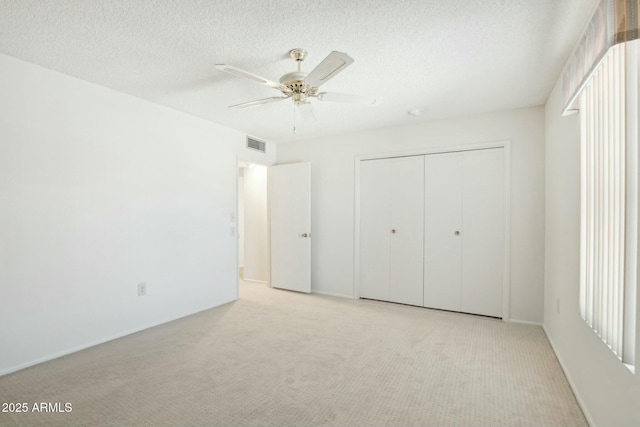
506 260
236 222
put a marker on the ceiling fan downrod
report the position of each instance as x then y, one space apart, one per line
295 80
298 55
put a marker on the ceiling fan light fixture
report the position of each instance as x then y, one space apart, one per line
299 98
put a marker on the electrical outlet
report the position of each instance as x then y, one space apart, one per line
142 289
558 305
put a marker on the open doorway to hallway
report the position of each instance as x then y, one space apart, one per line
253 230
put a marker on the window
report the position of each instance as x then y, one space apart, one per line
609 203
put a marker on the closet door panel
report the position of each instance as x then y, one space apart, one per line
406 230
443 218
483 231
375 217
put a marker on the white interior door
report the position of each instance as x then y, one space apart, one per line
483 241
443 231
406 229
290 201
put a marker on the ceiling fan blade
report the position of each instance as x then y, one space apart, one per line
345 97
329 67
305 110
259 102
247 75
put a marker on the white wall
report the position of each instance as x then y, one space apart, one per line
256 256
332 199
100 191
609 393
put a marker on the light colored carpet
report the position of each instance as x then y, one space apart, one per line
278 358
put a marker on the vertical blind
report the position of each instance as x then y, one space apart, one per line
603 195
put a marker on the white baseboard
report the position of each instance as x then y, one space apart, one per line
254 281
331 294
524 322
570 380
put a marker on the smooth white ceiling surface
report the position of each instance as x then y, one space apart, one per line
447 57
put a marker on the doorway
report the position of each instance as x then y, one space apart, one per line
253 230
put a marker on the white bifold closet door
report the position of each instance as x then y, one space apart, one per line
483 219
443 222
391 224
464 231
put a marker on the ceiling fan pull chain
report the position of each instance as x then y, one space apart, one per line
294 117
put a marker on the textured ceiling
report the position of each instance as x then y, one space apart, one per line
447 57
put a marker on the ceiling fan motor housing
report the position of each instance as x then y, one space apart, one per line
300 89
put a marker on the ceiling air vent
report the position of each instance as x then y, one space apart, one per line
256 145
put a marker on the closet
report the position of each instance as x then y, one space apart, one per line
432 230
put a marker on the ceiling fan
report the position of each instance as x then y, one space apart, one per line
300 86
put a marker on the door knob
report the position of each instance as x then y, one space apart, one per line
457 233
393 231
305 235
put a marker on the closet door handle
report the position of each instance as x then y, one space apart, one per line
393 231
457 233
